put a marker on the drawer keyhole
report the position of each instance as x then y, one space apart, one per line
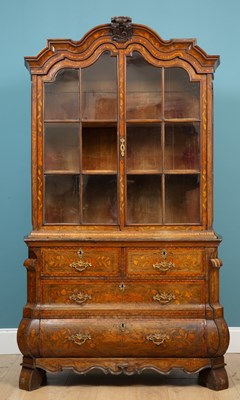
122 327
164 253
122 286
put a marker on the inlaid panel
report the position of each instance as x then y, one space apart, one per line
127 337
165 261
80 261
156 295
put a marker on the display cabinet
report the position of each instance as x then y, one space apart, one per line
123 267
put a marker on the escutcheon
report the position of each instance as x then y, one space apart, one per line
80 265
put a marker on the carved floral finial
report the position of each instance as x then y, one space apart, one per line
121 28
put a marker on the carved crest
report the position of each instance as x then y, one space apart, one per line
121 28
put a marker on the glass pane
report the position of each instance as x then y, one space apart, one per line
181 95
144 199
144 87
62 199
61 147
62 96
99 87
182 199
182 146
100 199
99 148
144 148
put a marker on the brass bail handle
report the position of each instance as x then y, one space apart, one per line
80 265
158 338
164 265
79 338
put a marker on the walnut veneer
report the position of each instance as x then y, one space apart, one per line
123 267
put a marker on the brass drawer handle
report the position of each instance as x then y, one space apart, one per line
158 338
164 266
80 265
80 297
164 297
79 338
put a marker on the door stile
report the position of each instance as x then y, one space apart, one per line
209 147
40 169
80 182
163 146
122 135
34 153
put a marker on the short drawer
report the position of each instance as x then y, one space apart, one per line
84 261
181 295
165 261
84 295
166 295
116 337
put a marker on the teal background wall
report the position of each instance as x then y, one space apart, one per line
24 27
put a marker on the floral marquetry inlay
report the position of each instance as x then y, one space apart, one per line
123 267
91 262
176 262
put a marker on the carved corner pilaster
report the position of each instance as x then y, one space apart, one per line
30 263
216 263
32 266
121 29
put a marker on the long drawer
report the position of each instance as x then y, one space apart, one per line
159 295
167 261
114 337
80 261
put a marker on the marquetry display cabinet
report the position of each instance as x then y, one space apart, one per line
123 267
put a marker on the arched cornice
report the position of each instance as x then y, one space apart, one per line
58 50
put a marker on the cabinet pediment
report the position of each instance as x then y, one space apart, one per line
67 49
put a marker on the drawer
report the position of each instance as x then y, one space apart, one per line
87 294
84 261
181 295
165 261
115 337
165 295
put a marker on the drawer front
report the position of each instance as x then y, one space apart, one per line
165 261
114 337
84 261
165 295
87 294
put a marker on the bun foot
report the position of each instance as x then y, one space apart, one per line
31 378
214 378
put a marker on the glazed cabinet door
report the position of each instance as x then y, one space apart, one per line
144 141
163 144
80 145
122 140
